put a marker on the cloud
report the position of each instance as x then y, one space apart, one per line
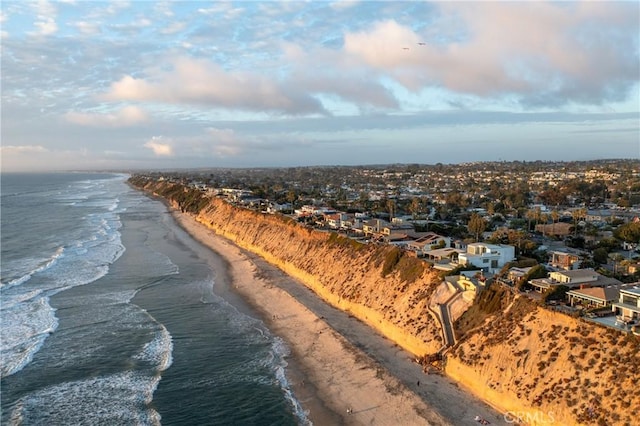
345 79
174 28
225 142
46 27
159 148
544 53
225 10
22 149
198 81
125 117
46 18
343 4
164 8
87 28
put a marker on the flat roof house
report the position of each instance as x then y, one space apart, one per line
627 308
577 278
488 257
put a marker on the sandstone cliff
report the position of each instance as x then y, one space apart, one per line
545 367
539 367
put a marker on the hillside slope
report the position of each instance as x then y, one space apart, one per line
539 367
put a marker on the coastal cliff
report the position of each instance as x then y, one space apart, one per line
538 366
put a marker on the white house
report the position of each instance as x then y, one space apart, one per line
576 278
627 308
488 257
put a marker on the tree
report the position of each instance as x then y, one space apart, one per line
555 216
530 215
629 232
537 271
578 214
491 209
553 197
600 255
556 293
391 207
477 224
291 198
415 206
544 218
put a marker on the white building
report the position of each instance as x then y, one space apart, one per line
627 309
488 257
576 278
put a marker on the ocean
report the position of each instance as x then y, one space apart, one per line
109 315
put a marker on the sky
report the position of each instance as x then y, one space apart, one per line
128 85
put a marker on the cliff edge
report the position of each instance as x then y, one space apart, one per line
536 366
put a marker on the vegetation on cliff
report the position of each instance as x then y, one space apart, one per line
379 284
511 351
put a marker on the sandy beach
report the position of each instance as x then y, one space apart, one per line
340 369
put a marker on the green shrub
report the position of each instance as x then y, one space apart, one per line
391 259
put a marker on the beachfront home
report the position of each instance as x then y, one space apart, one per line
577 278
627 308
516 275
596 297
444 259
488 257
429 242
374 226
334 220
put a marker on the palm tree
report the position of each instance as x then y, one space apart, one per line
391 205
554 217
578 214
544 218
530 215
415 206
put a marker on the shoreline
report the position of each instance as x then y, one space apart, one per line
339 369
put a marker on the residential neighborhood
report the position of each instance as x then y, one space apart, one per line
566 234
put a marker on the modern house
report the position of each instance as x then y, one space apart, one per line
374 226
334 220
444 259
627 308
517 275
596 297
488 257
429 242
577 278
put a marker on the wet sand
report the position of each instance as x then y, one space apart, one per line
341 370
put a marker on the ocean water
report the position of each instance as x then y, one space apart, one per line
109 315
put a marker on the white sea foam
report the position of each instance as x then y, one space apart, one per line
159 350
27 317
281 351
25 326
118 399
38 266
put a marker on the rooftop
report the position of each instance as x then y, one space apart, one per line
579 273
635 290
